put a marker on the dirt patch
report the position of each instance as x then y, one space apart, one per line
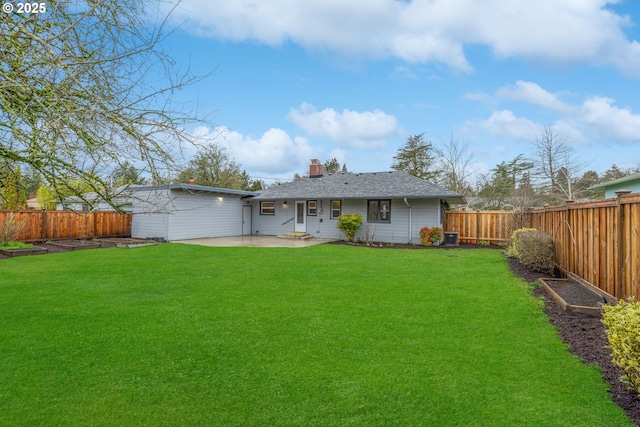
68 245
587 339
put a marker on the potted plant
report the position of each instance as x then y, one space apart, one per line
435 235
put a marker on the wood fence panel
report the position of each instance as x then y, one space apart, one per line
475 226
43 225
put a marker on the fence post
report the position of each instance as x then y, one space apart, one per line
95 224
620 271
478 226
44 225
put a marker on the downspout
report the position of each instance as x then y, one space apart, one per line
409 206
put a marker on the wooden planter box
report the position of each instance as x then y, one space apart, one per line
24 251
76 245
571 308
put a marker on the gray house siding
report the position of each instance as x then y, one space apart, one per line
150 219
178 215
423 212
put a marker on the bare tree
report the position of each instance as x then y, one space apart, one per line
555 164
85 88
455 161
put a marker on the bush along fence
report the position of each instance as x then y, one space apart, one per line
597 241
40 226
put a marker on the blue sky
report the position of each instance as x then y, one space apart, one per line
302 79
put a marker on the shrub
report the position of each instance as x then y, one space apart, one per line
535 251
429 236
512 251
10 230
425 237
623 332
350 223
435 234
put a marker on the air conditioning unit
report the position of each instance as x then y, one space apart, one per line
451 238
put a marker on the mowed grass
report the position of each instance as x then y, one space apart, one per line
321 336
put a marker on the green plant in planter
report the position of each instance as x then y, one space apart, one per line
350 224
16 245
435 234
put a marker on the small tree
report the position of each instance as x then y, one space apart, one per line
350 224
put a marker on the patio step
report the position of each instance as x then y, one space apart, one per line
297 235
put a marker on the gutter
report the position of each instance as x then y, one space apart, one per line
409 206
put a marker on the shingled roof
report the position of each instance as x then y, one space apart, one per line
370 185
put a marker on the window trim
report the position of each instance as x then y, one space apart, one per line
331 216
378 212
311 212
267 211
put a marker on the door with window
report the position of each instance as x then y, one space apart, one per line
301 217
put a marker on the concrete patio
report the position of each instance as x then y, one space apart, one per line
255 241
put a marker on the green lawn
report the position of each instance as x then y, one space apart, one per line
327 335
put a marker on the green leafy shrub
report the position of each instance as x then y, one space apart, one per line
435 234
350 224
16 245
535 251
623 332
512 246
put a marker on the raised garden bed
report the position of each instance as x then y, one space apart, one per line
23 251
76 245
126 242
574 296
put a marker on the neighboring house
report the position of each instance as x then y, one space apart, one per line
92 201
631 182
395 205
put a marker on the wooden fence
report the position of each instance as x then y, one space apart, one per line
597 241
493 227
43 225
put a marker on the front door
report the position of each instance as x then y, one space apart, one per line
301 217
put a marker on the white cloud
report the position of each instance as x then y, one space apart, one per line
275 152
561 31
533 94
619 124
505 124
365 130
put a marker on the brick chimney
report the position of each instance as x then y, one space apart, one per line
315 169
192 181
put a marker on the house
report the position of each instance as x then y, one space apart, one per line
631 182
395 205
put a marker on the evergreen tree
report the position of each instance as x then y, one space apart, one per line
417 157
